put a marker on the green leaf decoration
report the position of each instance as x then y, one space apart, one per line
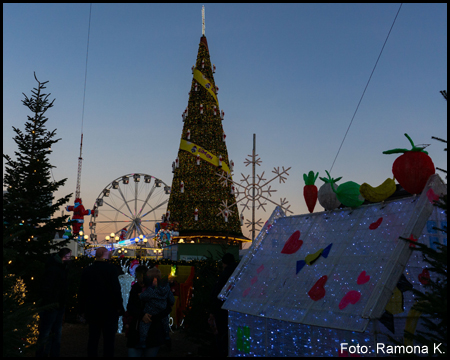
402 151
329 180
310 178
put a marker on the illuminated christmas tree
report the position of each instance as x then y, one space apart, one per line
198 201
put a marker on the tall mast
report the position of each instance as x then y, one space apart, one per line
80 160
203 20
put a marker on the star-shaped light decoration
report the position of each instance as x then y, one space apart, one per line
226 178
226 209
257 223
254 191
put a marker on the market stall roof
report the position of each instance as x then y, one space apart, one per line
335 269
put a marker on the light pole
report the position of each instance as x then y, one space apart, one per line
145 246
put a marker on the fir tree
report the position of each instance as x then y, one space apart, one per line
19 316
202 188
432 302
28 205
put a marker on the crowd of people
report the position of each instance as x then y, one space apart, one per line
145 319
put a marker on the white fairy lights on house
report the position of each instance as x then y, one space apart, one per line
312 283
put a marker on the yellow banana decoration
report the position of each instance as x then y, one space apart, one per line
379 193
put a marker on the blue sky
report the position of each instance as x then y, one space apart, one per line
292 74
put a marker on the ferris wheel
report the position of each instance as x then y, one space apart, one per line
129 206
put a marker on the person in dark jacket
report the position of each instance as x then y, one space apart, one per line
218 317
128 320
53 291
100 300
156 333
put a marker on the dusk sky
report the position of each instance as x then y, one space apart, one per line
292 74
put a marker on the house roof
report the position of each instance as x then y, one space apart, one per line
333 269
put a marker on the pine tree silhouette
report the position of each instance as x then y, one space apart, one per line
203 189
29 222
29 203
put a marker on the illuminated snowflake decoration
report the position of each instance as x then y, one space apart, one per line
225 208
256 192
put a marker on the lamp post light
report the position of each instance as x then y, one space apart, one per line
136 241
143 245
80 235
141 238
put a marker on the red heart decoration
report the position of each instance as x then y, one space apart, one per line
293 244
424 277
317 292
432 196
352 297
362 278
375 224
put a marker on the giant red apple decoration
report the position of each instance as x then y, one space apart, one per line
413 168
